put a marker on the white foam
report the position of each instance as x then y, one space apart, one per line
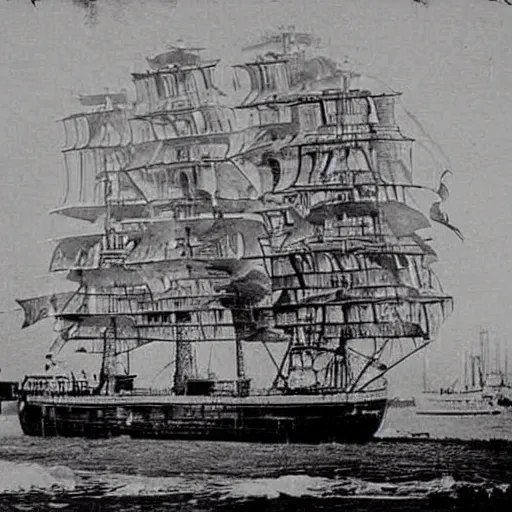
290 485
128 485
19 477
271 488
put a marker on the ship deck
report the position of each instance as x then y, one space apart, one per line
152 398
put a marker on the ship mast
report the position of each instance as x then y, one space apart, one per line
294 226
112 366
356 245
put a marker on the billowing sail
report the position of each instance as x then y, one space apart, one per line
80 251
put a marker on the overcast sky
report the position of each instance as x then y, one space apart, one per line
452 60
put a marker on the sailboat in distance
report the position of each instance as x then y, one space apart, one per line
477 394
284 220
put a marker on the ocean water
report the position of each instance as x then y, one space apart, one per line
121 474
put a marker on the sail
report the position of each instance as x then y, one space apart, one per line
97 143
283 213
267 78
402 219
394 160
78 251
100 129
174 86
39 308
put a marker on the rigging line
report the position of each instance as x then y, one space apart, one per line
167 365
396 363
412 117
430 152
5 311
426 134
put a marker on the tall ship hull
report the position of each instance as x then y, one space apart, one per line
273 419
275 225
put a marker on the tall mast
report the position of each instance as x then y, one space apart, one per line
338 249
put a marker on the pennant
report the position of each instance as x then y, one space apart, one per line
438 215
39 308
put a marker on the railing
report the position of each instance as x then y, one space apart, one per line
56 386
62 386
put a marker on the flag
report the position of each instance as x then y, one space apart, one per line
437 213
39 308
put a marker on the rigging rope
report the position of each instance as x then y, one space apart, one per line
413 118
4 312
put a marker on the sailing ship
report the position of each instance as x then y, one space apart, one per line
479 393
282 219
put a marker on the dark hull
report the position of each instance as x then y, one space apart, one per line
48 420
313 422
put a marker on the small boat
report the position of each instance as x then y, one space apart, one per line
475 398
458 403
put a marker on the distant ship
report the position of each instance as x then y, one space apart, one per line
284 218
402 402
481 392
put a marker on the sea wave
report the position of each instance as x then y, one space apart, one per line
18 477
301 486
21 478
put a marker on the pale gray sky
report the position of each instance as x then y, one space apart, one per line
452 60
